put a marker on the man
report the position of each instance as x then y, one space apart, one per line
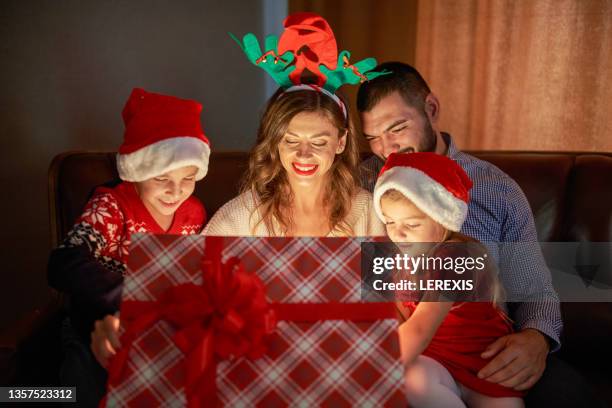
400 114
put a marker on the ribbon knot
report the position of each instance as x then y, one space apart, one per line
226 316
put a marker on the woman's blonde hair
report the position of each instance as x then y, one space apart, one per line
267 179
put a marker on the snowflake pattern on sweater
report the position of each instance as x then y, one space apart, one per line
112 215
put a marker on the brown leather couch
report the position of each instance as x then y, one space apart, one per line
570 195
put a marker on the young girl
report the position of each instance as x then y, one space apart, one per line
422 198
163 154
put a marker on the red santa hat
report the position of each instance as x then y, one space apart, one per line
437 185
162 133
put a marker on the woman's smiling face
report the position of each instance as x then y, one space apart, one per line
309 146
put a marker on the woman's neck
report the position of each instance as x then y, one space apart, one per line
309 212
307 199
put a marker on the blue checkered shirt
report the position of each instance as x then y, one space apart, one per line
498 212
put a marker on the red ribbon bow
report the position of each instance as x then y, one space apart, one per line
227 316
312 41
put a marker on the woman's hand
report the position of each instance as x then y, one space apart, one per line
105 339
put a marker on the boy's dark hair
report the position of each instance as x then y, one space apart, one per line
403 78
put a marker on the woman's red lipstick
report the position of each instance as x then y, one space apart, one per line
304 169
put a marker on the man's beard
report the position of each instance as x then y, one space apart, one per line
427 143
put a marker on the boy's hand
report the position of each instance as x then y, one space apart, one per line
105 339
519 359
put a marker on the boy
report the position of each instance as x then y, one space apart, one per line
163 154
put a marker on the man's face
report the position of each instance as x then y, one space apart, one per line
394 126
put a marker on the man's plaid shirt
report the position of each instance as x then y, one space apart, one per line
499 212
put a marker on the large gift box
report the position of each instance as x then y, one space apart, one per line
197 331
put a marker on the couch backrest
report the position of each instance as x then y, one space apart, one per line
570 194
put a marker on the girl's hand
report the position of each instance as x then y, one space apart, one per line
416 332
406 354
105 339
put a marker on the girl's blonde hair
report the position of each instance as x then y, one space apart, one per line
394 195
496 289
266 178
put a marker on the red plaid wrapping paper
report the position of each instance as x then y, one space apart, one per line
309 363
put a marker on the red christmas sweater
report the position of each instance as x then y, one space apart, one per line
90 263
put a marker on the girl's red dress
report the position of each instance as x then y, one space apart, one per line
468 329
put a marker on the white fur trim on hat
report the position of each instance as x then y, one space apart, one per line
164 156
426 193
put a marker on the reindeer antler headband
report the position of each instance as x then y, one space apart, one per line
307 43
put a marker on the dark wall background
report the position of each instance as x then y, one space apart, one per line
66 69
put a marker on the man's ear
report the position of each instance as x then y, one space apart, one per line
342 142
432 107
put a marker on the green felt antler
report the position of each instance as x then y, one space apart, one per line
278 67
346 73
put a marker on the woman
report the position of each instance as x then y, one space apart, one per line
300 180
